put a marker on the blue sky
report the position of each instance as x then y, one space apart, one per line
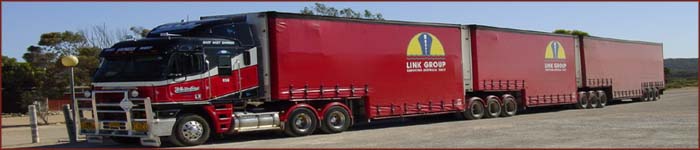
675 24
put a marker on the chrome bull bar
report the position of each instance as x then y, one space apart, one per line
118 127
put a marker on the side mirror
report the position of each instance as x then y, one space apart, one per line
224 65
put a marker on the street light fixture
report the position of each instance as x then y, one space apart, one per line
72 61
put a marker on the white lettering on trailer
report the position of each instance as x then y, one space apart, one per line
426 66
555 66
186 89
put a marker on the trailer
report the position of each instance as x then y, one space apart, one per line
625 69
222 75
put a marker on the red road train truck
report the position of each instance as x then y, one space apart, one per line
226 74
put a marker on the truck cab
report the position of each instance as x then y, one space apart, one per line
169 84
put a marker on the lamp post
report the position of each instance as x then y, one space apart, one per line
72 61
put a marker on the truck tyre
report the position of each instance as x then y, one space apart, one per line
582 100
475 111
658 94
190 130
125 140
335 120
301 122
493 107
602 99
510 107
655 93
593 99
646 95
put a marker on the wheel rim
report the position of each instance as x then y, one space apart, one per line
494 108
302 122
583 102
658 94
510 107
603 100
336 120
594 102
477 110
192 130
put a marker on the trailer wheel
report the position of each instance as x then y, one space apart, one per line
510 107
190 130
475 111
655 94
602 99
582 100
301 122
646 96
335 120
493 107
593 99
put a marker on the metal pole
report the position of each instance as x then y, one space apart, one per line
69 123
76 109
33 124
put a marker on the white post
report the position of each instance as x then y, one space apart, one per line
76 109
33 124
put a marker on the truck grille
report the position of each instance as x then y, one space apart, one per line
109 117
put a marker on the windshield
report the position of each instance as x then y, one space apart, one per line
131 68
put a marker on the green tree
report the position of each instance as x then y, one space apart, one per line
323 10
62 43
571 32
140 31
18 77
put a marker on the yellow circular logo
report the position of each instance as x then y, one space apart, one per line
554 50
425 44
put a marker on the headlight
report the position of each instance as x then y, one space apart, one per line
134 93
87 94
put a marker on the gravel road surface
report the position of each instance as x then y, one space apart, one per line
669 122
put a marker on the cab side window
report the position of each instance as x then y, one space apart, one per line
187 64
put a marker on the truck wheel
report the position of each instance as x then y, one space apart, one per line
335 120
658 94
475 111
647 95
593 99
582 100
510 107
301 122
493 107
190 130
655 93
125 140
602 99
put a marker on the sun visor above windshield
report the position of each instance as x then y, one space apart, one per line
150 46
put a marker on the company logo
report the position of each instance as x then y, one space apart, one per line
554 51
555 57
425 54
